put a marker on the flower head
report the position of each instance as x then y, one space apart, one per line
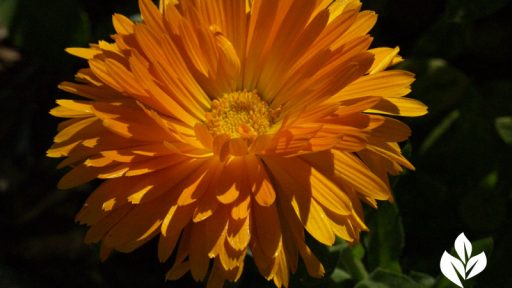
223 127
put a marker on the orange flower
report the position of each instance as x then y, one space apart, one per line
224 127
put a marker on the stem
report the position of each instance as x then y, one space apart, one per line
354 266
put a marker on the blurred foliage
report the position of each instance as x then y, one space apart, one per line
459 50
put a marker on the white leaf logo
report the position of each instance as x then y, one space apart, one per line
476 265
450 266
463 246
454 269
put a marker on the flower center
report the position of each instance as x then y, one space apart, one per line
239 114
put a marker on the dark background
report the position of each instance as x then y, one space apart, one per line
460 51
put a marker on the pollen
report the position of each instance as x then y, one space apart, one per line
240 114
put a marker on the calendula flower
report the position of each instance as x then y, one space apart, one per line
223 127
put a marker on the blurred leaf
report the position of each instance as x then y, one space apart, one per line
381 278
407 150
484 208
445 39
351 261
438 84
504 127
357 251
386 239
490 180
497 272
340 275
483 245
490 43
423 278
454 34
468 10
7 11
438 131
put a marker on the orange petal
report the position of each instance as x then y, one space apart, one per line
384 57
122 24
354 172
175 221
267 236
85 53
400 106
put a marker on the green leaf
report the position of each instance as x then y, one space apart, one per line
504 127
7 11
423 278
339 276
351 261
382 278
446 39
439 85
386 238
469 10
439 131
